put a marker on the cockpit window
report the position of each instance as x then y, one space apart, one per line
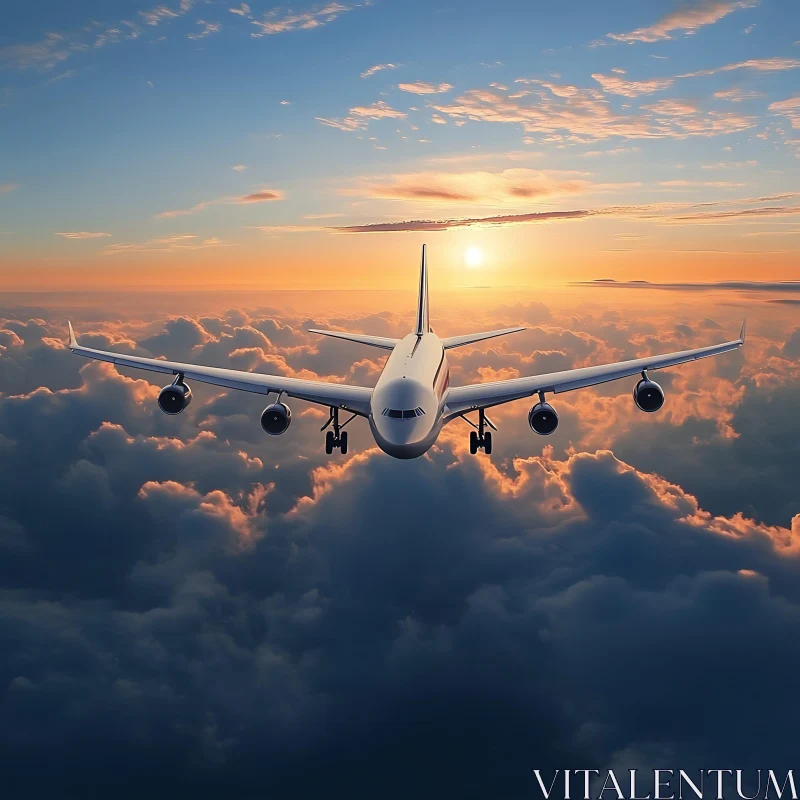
407 413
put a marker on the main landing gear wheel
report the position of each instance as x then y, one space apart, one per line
337 437
481 438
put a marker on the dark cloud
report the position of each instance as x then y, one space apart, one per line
262 196
745 286
445 224
189 605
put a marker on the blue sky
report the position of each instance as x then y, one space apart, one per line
128 120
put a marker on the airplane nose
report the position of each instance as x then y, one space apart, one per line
401 438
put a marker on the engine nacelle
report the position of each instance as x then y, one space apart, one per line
276 418
648 395
543 419
174 398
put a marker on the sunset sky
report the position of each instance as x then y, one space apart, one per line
200 143
192 608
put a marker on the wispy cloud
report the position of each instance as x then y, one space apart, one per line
367 73
420 87
358 115
737 95
155 16
685 184
753 64
239 168
81 234
208 29
44 54
274 22
664 213
277 230
261 196
8 187
166 244
688 19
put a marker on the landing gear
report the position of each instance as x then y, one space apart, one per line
337 437
480 437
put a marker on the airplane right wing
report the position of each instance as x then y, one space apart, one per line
351 398
461 399
470 338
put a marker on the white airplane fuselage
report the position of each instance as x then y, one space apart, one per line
408 399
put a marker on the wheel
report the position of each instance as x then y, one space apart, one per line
329 440
473 442
343 442
487 443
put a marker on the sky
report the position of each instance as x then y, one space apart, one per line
317 146
190 606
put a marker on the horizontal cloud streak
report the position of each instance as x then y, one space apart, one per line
688 19
261 196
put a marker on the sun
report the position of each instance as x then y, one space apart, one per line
473 257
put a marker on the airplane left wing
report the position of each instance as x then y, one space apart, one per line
461 399
351 398
361 338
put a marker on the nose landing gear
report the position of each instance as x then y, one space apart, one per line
336 438
480 437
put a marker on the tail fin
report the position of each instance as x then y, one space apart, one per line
423 312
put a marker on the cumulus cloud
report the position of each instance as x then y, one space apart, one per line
626 88
568 114
689 18
421 87
789 108
244 618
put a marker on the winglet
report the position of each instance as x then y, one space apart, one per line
743 331
73 342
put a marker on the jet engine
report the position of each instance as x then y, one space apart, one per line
543 418
276 418
174 398
648 395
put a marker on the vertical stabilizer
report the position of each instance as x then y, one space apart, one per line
423 313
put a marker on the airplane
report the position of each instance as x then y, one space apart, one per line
412 399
